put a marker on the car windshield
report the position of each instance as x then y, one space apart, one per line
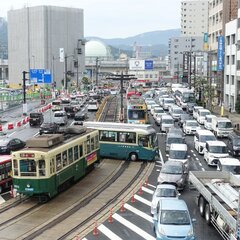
218 149
136 114
168 121
168 101
58 115
225 125
236 142
171 169
34 115
166 192
204 138
175 140
174 217
232 169
158 110
203 114
209 120
178 111
176 154
192 124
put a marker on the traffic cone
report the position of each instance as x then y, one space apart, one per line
1 128
132 198
122 207
146 182
110 219
95 230
140 190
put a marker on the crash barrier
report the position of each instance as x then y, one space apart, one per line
101 107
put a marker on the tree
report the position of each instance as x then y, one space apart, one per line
85 80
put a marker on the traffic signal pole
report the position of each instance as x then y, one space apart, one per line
24 93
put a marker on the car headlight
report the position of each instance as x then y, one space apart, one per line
161 231
190 233
3 147
235 148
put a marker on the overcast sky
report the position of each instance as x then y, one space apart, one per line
114 18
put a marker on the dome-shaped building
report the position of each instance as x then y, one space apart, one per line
96 48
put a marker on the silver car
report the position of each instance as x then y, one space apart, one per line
163 191
174 172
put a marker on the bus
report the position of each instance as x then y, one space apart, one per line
50 163
132 93
126 141
5 172
137 111
184 96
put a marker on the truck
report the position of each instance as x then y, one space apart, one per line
218 200
221 126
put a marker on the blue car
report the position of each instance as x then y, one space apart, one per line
172 220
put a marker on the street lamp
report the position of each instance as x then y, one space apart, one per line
33 57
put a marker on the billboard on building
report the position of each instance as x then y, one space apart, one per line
205 41
220 62
135 64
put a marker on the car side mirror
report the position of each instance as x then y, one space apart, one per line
194 220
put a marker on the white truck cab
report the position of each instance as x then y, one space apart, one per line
229 164
213 151
208 122
201 115
221 126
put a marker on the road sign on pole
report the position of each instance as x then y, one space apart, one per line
38 76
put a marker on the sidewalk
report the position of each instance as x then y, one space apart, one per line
233 116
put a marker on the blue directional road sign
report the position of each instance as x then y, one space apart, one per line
148 64
40 76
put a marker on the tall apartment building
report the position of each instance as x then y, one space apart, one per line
194 17
35 36
220 13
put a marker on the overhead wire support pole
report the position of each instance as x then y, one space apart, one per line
122 78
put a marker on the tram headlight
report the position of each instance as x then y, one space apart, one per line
28 185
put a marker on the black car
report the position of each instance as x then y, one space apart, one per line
81 115
233 144
36 119
189 108
49 127
10 144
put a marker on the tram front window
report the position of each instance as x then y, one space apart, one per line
136 114
28 167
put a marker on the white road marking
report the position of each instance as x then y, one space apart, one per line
158 170
11 134
143 200
84 239
2 200
158 162
150 185
203 169
158 165
138 212
197 159
200 164
160 155
133 227
37 133
192 151
106 231
147 190
194 155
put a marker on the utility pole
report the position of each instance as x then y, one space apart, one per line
24 92
122 78
65 73
97 60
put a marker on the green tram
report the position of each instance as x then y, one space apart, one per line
50 163
126 141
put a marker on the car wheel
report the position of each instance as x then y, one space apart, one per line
133 157
207 214
201 204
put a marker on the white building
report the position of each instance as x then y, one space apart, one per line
35 36
194 17
230 79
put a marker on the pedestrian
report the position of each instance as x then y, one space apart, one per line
230 107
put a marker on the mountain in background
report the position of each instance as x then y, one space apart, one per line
155 42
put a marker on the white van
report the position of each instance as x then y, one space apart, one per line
213 151
200 138
201 115
60 117
221 126
167 122
208 122
195 109
178 152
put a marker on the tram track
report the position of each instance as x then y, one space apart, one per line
110 112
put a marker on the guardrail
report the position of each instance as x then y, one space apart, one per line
101 107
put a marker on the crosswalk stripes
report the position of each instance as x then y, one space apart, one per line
147 190
143 200
150 185
138 212
133 227
106 231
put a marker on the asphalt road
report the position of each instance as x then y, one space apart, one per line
136 222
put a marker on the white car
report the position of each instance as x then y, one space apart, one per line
168 102
166 123
163 191
201 115
190 127
213 151
175 111
153 106
200 139
229 164
208 122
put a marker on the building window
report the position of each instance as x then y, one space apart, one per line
228 60
228 40
232 80
233 59
233 38
227 79
238 64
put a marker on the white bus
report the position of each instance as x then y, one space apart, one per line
184 96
